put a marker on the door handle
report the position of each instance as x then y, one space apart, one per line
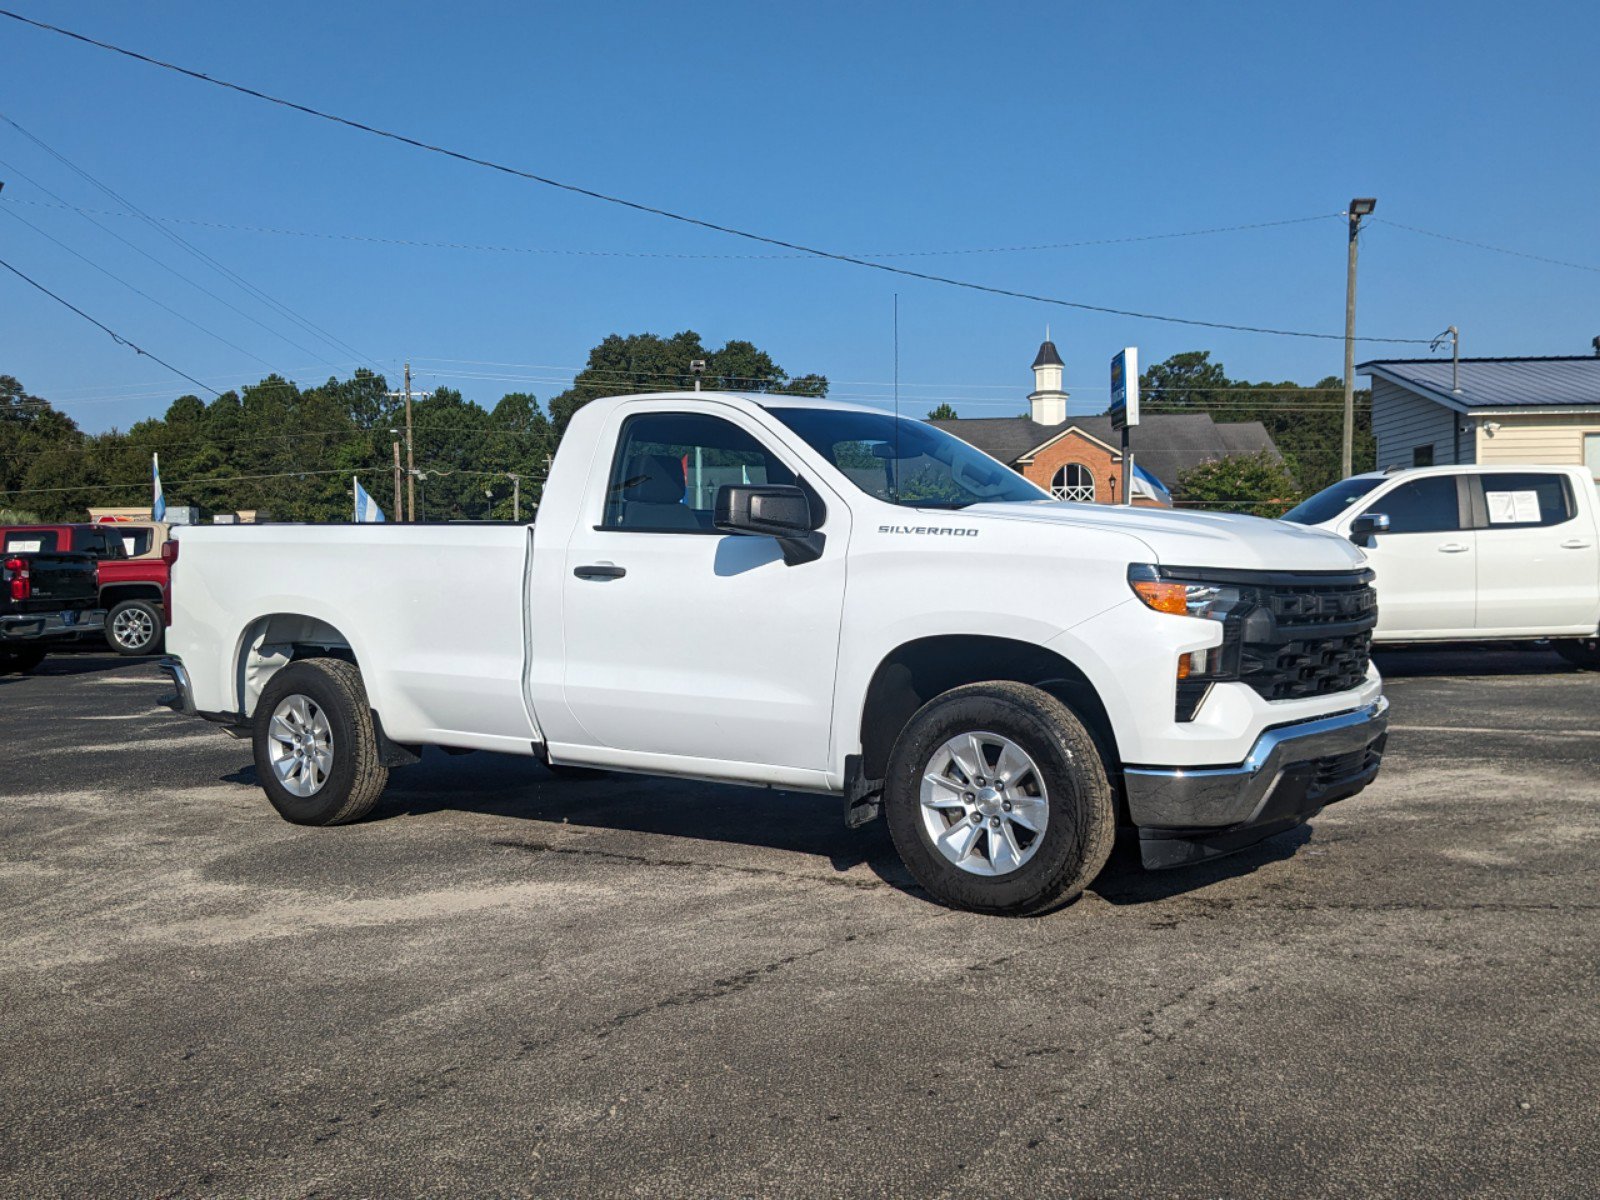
1453 548
600 571
1574 544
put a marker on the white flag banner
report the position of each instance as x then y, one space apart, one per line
158 503
367 510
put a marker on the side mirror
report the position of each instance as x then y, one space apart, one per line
779 511
1366 525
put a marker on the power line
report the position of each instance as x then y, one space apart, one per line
652 210
134 246
1447 237
136 291
586 253
241 282
113 334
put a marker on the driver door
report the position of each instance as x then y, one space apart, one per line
685 642
1426 564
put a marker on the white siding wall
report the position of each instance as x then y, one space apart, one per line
1556 439
1403 420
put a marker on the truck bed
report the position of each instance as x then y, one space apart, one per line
452 595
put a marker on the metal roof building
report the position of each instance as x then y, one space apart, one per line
1488 410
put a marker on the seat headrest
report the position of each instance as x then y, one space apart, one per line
659 480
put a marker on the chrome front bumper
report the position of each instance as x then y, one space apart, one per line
1292 772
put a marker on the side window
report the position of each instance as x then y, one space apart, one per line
668 467
1421 506
1525 499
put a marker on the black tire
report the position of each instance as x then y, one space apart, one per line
1081 826
355 778
21 659
141 628
1583 653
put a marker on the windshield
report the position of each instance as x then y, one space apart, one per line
1331 501
906 462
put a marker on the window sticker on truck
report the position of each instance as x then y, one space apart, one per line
936 530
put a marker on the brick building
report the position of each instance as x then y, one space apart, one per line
1080 458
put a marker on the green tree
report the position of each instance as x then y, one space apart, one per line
1305 424
943 413
1240 483
646 362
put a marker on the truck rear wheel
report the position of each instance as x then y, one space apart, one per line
998 801
133 627
315 748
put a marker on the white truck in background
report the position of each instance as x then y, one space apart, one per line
812 596
1475 553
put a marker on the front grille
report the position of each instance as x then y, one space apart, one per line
1308 637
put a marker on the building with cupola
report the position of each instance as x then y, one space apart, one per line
1079 458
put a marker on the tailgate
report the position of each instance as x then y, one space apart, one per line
58 581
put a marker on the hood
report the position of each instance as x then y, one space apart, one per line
1193 539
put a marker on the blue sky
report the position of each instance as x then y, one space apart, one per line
857 127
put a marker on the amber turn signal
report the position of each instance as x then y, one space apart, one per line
1163 596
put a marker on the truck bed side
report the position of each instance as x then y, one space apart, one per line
432 614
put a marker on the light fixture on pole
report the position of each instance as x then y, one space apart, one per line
1360 207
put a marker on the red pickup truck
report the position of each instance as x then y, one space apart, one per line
133 567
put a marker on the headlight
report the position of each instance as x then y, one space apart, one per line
1213 601
1168 591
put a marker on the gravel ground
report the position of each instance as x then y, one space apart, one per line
502 984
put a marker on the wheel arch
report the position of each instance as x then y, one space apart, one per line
916 671
273 641
115 593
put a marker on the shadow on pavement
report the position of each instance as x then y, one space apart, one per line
1467 659
789 822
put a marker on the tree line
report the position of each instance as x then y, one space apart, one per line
290 451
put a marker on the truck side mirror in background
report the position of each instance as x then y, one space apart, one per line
779 511
1367 524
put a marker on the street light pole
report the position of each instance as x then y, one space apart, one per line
1358 208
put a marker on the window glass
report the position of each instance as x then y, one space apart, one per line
1073 482
26 543
1421 506
1526 498
1422 456
906 462
669 466
1331 501
135 539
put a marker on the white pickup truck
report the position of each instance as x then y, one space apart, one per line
1501 553
812 596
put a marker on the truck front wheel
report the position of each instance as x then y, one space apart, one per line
998 801
315 748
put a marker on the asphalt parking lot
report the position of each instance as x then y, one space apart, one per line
504 984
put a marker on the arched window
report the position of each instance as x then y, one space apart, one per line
1073 482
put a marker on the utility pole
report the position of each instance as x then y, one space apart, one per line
411 465
516 497
399 513
1359 208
